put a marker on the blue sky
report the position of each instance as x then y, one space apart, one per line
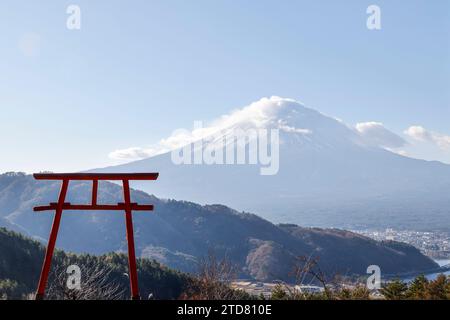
137 70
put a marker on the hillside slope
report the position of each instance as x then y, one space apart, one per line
177 233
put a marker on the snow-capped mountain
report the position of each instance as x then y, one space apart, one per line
328 173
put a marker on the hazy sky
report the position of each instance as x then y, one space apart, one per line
137 70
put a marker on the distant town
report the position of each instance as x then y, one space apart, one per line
436 245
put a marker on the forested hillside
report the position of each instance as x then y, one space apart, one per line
21 259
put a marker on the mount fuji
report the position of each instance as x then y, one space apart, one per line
329 174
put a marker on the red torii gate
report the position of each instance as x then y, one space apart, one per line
61 205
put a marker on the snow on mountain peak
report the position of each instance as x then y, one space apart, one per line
295 122
273 112
284 114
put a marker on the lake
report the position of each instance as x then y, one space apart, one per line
433 276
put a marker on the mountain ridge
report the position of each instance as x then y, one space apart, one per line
179 233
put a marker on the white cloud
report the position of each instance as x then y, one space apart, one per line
261 114
399 152
375 133
133 153
290 129
419 133
285 115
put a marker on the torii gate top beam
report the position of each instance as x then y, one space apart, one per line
96 176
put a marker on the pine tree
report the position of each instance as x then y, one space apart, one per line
437 289
418 288
395 290
279 293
